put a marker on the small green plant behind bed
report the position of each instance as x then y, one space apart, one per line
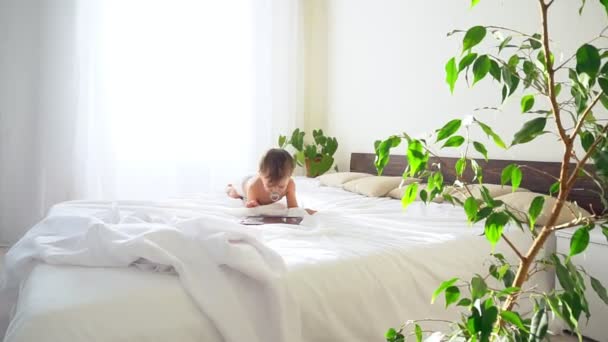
519 61
317 157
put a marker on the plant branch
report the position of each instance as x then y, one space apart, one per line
581 120
601 35
521 257
590 151
551 72
510 30
540 171
539 241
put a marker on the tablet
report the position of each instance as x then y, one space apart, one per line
257 220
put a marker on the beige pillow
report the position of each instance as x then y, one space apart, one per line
337 179
376 186
520 201
495 190
398 192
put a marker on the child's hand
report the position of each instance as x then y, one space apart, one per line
252 204
310 211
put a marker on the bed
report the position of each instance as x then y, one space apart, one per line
356 268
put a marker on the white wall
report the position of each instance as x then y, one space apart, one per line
19 76
386 69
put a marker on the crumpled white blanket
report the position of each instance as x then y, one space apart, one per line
208 253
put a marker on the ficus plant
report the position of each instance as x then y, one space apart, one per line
317 157
524 67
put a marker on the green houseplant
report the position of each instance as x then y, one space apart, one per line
316 157
573 89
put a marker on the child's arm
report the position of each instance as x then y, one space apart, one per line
252 198
292 202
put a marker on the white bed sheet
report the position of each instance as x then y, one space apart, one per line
358 267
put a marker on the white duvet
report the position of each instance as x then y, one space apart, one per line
358 267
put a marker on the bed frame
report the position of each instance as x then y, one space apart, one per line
583 192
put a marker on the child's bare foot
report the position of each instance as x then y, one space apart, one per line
231 191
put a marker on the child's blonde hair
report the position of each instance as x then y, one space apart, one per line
277 164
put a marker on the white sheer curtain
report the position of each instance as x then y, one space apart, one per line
144 99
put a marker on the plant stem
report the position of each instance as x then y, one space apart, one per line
521 257
591 150
522 271
539 171
581 120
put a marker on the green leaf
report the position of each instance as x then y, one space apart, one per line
409 195
495 224
418 332
541 58
452 294
487 322
450 128
587 140
579 241
529 131
282 140
504 43
513 318
442 288
454 141
416 157
466 61
451 73
391 334
599 289
538 326
483 213
603 84
478 288
505 176
536 207
513 61
508 290
588 60
535 41
605 231
527 102
479 147
485 194
470 208
516 176
473 37
554 188
383 150
605 3
424 195
460 166
477 170
531 73
474 3
604 100
481 67
487 130
495 70
563 276
464 302
514 84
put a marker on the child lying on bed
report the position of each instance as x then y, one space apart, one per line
272 183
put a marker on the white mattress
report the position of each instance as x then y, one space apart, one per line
358 267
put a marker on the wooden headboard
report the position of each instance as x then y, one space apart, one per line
582 193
